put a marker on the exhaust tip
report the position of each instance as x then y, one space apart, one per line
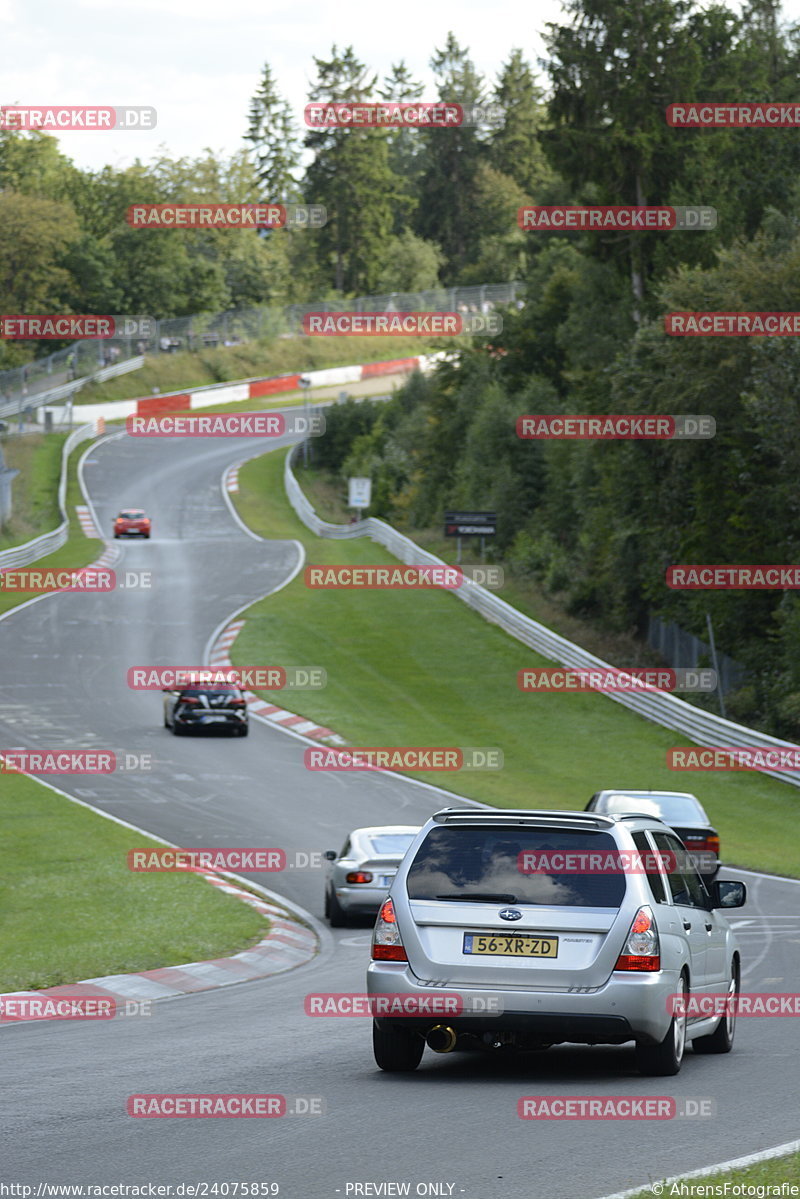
441 1038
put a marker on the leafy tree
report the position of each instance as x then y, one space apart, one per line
409 264
501 251
35 235
32 164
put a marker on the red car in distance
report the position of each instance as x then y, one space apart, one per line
132 522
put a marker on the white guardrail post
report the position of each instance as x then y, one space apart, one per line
704 728
48 543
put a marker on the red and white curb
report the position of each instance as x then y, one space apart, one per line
286 946
87 524
219 659
108 557
232 478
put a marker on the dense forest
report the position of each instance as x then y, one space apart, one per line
594 523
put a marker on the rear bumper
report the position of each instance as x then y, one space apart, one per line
195 720
549 1028
360 898
626 1007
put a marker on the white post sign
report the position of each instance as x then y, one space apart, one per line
359 493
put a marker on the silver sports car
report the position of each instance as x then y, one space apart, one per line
362 873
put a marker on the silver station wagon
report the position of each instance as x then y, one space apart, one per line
516 930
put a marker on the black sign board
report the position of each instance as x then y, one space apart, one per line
470 524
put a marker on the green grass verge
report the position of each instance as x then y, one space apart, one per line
37 456
187 372
70 908
420 668
78 550
328 494
760 1176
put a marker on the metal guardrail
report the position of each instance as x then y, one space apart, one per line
48 543
26 385
65 390
699 726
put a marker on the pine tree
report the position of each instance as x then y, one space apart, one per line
614 70
351 176
452 160
405 147
272 133
515 149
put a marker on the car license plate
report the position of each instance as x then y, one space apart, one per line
510 945
215 719
386 880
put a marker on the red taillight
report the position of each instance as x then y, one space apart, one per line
190 702
387 944
627 961
641 950
389 953
237 703
358 876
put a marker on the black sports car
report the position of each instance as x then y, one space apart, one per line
220 706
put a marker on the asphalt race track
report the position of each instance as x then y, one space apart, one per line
454 1121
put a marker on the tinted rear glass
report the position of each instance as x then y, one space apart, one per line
672 809
465 863
396 843
132 515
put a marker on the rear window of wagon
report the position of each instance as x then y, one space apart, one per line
467 863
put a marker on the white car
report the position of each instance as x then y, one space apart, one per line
360 876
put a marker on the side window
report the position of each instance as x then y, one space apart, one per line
694 883
345 849
684 881
653 877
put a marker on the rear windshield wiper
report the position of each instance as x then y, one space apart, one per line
480 896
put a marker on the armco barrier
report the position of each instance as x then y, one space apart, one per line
659 707
48 543
38 400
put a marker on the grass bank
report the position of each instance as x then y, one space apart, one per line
71 909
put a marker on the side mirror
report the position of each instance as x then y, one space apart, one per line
329 855
728 895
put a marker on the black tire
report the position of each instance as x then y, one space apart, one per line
243 730
721 1039
397 1050
116 536
336 913
178 729
665 1059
